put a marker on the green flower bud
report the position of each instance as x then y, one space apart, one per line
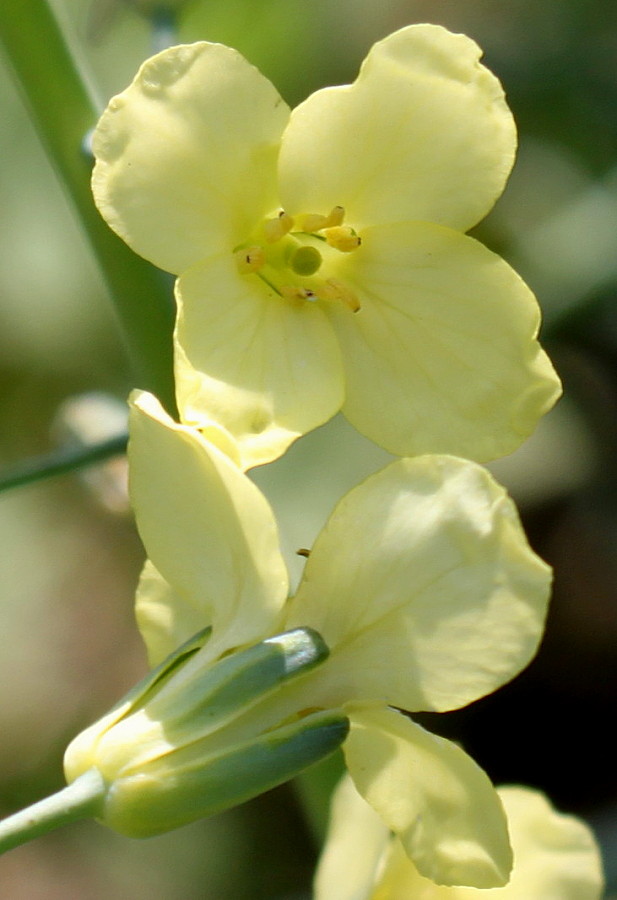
164 752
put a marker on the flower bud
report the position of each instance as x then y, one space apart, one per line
163 751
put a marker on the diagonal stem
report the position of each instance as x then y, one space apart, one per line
63 111
59 462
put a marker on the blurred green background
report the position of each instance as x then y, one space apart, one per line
69 562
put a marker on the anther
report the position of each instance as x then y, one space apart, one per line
342 238
333 289
315 222
250 259
289 292
275 229
335 217
312 222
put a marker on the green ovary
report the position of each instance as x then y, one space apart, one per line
305 260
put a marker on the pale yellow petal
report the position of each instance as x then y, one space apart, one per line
268 369
424 133
432 795
186 156
164 618
555 855
424 587
356 841
206 528
443 355
555 858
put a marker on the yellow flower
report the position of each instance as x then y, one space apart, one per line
555 856
420 593
322 257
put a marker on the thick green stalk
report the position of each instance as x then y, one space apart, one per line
80 800
63 112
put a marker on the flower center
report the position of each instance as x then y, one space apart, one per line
290 256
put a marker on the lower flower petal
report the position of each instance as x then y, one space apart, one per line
442 356
424 587
164 618
357 839
555 856
268 369
207 529
432 795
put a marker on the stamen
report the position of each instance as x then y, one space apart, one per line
315 222
343 238
305 260
275 229
250 259
336 217
312 222
290 292
333 289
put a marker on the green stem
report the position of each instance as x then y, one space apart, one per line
63 111
60 462
80 800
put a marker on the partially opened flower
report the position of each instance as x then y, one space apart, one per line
322 258
420 593
555 855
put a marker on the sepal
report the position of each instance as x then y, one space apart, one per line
177 747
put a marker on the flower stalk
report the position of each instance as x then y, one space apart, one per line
78 800
63 110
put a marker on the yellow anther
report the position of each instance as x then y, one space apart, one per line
291 292
336 217
275 229
342 238
250 259
312 222
315 222
333 289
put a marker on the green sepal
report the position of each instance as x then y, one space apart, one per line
200 699
166 794
153 681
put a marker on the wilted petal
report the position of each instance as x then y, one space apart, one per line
424 587
266 368
424 133
207 529
443 356
186 156
432 795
